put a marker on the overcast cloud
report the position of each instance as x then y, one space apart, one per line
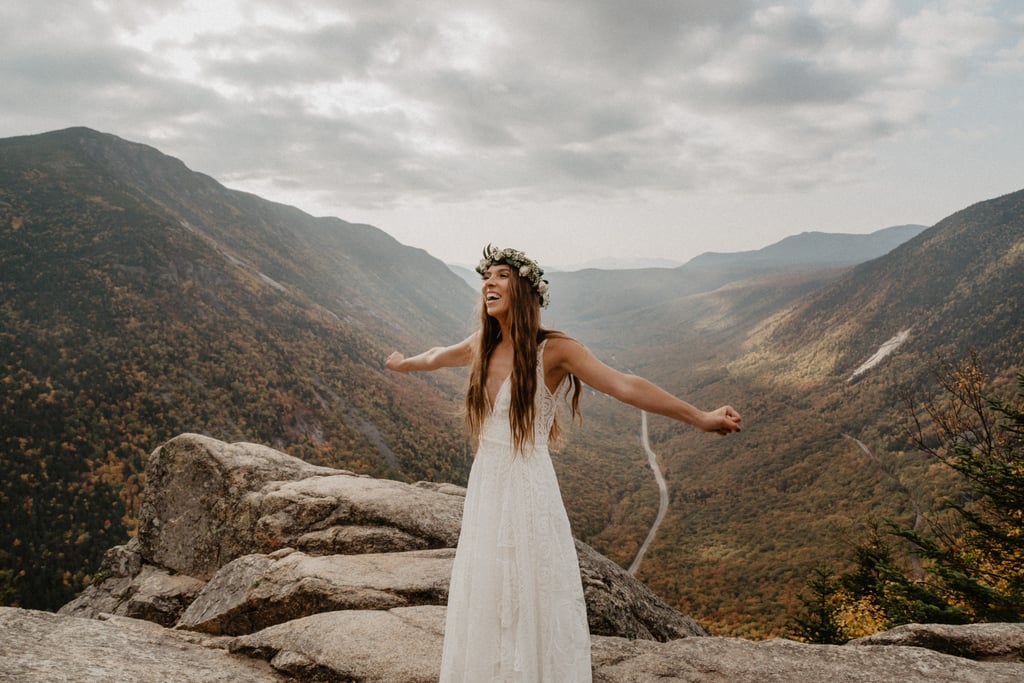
577 128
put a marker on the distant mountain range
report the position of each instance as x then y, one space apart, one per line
586 295
141 300
806 251
809 250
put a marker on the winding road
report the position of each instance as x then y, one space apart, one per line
915 559
652 460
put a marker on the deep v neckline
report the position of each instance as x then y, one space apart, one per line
493 403
542 380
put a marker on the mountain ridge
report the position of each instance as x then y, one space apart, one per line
142 300
815 249
588 294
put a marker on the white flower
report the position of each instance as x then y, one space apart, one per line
526 267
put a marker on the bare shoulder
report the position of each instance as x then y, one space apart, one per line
563 351
559 344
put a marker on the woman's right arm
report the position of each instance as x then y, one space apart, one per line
456 355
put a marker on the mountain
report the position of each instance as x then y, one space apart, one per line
751 514
586 295
810 250
467 274
954 287
141 300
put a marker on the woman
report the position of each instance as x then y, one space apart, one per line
515 605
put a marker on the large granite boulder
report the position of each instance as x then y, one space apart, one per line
207 502
221 512
404 645
40 647
272 569
981 642
257 591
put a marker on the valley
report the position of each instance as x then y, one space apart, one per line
141 300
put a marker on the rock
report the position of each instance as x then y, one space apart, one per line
371 646
161 597
122 560
733 660
348 514
105 597
113 585
133 589
981 642
40 647
403 644
336 577
242 499
191 510
207 502
257 591
620 605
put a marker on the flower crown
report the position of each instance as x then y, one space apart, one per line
527 268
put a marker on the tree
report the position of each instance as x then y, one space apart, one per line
977 553
973 552
882 594
821 621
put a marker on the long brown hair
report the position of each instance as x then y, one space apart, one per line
526 335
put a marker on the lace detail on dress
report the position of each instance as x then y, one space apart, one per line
515 608
547 402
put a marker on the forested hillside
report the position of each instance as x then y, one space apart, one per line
140 300
752 514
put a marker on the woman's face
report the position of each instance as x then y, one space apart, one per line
496 290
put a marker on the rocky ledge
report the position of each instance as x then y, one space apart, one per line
253 565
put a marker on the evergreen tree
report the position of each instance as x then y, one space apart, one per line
973 557
978 555
820 620
880 584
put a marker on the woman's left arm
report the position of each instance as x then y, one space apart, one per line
568 355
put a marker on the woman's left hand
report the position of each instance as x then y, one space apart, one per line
723 421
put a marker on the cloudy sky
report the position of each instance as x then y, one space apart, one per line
573 129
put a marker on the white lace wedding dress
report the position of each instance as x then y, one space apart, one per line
515 604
